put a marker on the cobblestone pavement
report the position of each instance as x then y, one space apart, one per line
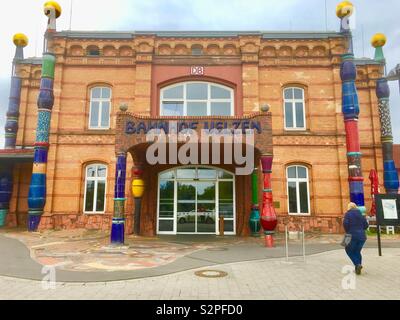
320 277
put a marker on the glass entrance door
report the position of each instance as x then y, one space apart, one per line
191 200
196 207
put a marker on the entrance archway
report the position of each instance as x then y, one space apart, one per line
192 199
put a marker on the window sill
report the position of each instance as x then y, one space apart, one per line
94 213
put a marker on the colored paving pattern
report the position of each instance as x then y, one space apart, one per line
83 250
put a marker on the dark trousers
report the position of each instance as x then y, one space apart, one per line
353 250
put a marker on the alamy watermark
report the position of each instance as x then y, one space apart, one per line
205 146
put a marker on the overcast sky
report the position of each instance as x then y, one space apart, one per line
266 15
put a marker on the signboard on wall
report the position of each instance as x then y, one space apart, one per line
197 71
388 209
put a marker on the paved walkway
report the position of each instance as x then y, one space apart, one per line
19 262
320 277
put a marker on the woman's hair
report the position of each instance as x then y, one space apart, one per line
351 206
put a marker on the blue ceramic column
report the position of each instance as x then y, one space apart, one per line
37 189
118 222
11 127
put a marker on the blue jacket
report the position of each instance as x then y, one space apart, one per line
355 224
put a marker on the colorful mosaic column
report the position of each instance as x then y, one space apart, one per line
391 178
11 127
118 222
269 220
351 111
138 187
37 190
255 225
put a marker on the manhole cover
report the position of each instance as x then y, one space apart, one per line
211 274
217 249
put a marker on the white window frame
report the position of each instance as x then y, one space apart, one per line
217 180
100 101
293 102
297 180
96 180
208 101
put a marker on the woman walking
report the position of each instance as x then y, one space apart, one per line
355 224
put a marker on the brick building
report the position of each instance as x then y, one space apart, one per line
197 77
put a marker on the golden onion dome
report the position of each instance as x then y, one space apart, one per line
345 8
52 5
20 40
378 40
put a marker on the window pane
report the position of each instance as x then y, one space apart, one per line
303 197
102 171
172 109
224 175
292 197
105 114
89 196
167 199
94 114
173 93
91 171
166 209
196 108
207 173
101 192
205 192
226 199
298 93
186 192
186 173
96 93
197 91
166 190
289 93
220 93
228 226
292 172
166 225
299 115
221 109
106 93
167 175
302 172
289 115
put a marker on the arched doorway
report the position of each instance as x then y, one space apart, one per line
192 199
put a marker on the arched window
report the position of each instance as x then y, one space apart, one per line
197 99
100 107
95 188
294 107
298 190
93 51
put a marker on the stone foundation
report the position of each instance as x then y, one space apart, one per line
318 224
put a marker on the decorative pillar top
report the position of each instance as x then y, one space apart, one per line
53 11
344 10
20 41
378 41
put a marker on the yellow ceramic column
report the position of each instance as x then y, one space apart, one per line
138 187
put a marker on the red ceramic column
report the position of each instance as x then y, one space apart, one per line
269 220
